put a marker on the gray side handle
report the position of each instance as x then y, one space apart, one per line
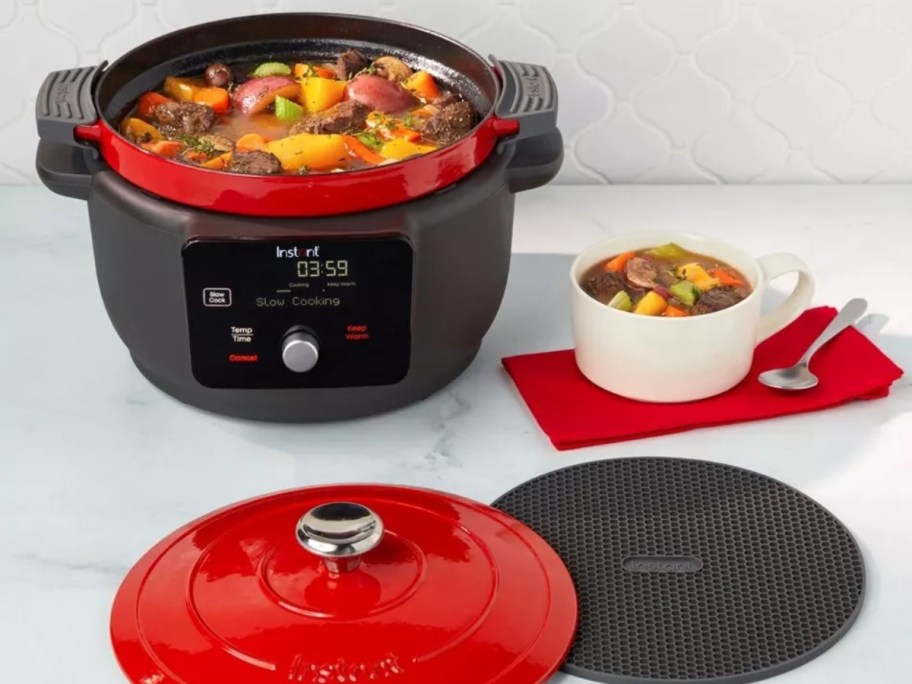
65 101
528 95
64 169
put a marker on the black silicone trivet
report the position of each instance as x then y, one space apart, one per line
689 571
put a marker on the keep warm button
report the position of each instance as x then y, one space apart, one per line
354 333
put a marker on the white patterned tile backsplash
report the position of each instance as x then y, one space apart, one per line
621 146
864 55
684 102
687 22
802 103
745 55
652 91
804 22
625 54
862 146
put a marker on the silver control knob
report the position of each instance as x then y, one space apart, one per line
300 351
340 533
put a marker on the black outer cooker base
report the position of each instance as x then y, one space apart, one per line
272 405
461 239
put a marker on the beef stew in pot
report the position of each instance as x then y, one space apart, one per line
300 117
666 281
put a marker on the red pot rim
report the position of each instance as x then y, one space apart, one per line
298 196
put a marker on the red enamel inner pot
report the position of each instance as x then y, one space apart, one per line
85 105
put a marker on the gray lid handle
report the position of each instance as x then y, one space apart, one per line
528 95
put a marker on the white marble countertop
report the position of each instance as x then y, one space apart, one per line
98 465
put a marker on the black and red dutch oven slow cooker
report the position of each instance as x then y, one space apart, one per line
199 269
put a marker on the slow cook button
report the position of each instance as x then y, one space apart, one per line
217 296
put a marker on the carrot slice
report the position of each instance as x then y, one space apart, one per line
250 142
423 85
362 151
217 98
305 70
619 262
675 312
725 277
148 103
196 156
406 134
218 163
164 148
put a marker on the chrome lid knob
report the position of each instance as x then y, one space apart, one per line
340 533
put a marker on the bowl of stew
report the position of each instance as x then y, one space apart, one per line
675 317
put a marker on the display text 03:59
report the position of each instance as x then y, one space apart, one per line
330 268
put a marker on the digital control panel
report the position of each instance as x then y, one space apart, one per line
299 313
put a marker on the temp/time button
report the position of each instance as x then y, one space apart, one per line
300 351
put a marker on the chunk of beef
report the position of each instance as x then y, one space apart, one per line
345 116
606 284
448 99
449 124
256 163
642 272
667 278
219 143
392 68
717 299
184 118
350 63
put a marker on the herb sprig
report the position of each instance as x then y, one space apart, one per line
370 138
200 145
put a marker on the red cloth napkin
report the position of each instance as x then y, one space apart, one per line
575 413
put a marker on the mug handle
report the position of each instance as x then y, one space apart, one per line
773 266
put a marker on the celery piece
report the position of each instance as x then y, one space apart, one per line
685 292
286 110
671 252
272 69
621 301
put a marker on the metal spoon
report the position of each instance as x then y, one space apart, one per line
798 377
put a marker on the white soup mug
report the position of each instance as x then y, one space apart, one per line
657 359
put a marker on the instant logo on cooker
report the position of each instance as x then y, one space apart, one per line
298 252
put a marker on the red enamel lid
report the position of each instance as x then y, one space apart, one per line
403 585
